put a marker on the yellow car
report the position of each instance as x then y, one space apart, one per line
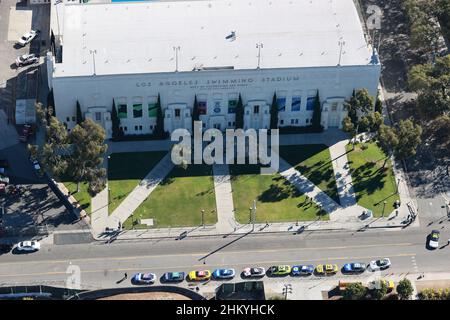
325 269
201 275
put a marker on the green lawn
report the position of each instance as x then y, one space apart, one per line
83 197
372 183
126 170
314 162
277 200
179 199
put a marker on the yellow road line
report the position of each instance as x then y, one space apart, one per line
270 262
201 254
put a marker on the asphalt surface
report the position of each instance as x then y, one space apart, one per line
103 265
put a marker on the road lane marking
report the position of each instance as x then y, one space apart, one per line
201 266
201 254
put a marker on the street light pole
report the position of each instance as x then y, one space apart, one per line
203 218
287 289
384 205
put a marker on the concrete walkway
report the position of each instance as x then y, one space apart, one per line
224 199
307 187
342 174
142 191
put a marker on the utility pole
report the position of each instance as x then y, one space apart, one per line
253 215
286 290
384 205
259 46
176 49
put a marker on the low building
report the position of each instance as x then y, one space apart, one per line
215 51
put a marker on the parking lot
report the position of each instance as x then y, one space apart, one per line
35 209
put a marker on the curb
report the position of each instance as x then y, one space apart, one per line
224 235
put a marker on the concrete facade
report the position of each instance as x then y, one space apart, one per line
93 66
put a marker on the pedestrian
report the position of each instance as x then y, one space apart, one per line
125 276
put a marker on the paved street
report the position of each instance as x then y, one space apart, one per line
102 265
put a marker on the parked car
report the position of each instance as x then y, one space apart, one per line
381 264
173 276
254 272
143 278
27 59
302 270
201 275
28 37
38 169
28 246
326 269
280 270
223 274
354 267
433 239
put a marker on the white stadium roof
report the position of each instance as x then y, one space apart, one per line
140 37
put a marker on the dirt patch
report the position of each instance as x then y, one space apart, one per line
147 296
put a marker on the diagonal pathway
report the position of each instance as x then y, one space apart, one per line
143 190
342 174
307 187
224 199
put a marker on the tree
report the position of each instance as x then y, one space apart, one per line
374 121
380 292
88 148
51 103
41 113
387 140
79 114
347 125
361 102
354 291
159 130
53 154
239 114
432 82
115 121
317 113
195 112
378 105
405 289
274 112
409 138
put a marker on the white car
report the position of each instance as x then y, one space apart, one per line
254 272
28 37
380 264
28 246
26 59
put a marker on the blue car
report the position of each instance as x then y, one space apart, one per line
354 267
173 276
302 270
223 274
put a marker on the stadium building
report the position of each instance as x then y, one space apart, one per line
131 52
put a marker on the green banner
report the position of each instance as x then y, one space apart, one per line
137 110
152 110
122 111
